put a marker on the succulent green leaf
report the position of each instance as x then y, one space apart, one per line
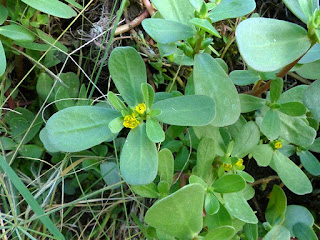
262 154
295 7
176 10
52 7
293 109
276 88
239 208
16 33
116 125
221 218
205 157
296 130
172 32
115 101
231 9
229 183
310 70
3 60
290 174
315 147
244 77
148 191
148 94
139 158
211 80
246 176
251 231
302 231
154 131
221 233
110 173
264 43
166 165
3 14
196 179
191 110
278 233
250 103
270 126
128 72
187 204
204 24
277 206
311 99
247 138
78 128
310 163
211 204
297 214
306 7
312 55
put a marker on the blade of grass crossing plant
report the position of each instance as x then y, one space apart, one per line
52 7
29 198
3 61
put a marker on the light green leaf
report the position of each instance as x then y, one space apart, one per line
187 204
154 131
115 101
16 33
205 156
172 32
52 7
306 7
310 70
128 72
315 147
247 138
294 7
166 165
196 3
229 183
312 55
246 176
221 233
239 208
3 14
250 103
296 130
270 126
3 61
221 218
175 10
294 94
28 197
196 179
310 163
251 231
205 25
78 128
244 77
262 154
139 158
211 80
191 110
297 214
290 174
110 173
293 109
148 191
231 9
276 89
148 94
304 232
311 99
47 38
269 38
116 124
278 233
211 204
277 206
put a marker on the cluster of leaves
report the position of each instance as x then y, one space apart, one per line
221 127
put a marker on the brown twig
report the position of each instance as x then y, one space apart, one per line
10 100
149 7
135 22
265 180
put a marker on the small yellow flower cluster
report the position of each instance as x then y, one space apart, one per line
130 121
228 167
141 108
278 144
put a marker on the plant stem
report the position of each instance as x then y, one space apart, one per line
265 180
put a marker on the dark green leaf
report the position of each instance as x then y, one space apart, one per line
139 158
293 108
277 206
315 147
303 232
147 191
205 156
310 163
3 61
251 231
229 183
221 218
221 233
211 204
148 94
3 14
276 89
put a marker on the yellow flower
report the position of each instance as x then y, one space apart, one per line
130 121
141 108
239 163
278 145
227 166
